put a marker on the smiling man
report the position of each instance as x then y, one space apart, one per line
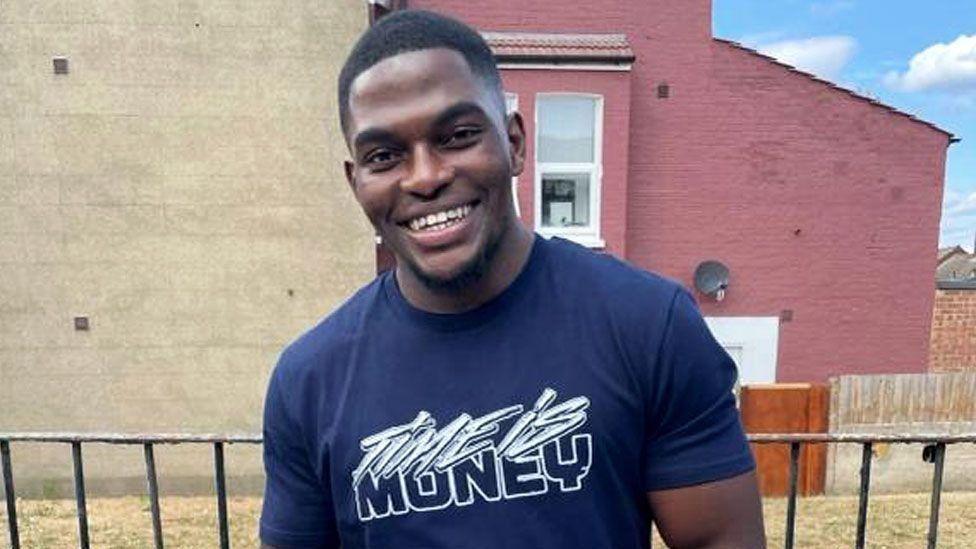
496 389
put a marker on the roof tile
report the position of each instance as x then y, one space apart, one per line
523 46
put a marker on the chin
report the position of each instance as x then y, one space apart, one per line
455 269
455 277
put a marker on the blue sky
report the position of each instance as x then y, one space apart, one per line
917 56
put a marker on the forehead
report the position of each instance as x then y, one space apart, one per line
412 83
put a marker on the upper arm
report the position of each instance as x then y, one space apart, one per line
697 464
297 510
693 433
722 514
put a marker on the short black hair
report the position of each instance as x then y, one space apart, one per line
412 30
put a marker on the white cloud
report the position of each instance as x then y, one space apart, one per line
939 66
824 56
958 219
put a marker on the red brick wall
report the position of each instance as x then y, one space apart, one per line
820 203
662 22
953 345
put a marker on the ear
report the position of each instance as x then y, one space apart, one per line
515 128
350 170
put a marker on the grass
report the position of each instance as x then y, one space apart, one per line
894 522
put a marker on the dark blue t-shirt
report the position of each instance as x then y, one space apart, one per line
538 420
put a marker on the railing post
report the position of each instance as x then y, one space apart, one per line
80 495
862 506
153 495
939 459
791 503
8 490
221 494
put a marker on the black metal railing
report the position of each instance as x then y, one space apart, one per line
147 442
934 452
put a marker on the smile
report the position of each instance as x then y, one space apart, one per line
440 220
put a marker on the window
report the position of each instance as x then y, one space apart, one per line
511 105
568 167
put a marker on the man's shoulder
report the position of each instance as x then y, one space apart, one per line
609 281
332 336
614 298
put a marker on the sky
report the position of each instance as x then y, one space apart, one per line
917 56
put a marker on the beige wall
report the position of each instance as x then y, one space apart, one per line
181 187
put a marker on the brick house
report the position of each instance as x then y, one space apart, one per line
955 264
953 340
653 140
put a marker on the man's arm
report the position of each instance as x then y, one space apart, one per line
726 514
699 472
297 510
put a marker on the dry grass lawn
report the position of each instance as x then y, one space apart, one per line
894 522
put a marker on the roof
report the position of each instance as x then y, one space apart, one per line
875 102
957 267
945 253
956 284
577 48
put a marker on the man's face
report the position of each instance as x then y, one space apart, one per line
432 162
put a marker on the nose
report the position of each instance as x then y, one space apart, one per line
428 174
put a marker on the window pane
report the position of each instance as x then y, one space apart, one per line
565 199
566 127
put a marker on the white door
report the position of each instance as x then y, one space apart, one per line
752 343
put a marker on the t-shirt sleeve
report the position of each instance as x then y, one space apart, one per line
693 434
297 509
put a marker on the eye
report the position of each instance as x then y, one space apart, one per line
381 159
461 137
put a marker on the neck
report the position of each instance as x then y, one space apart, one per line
513 253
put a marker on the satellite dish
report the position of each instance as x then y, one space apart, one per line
712 278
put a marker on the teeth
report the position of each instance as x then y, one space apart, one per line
439 220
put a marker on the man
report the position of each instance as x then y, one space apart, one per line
495 390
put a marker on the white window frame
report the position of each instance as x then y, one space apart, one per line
511 105
587 236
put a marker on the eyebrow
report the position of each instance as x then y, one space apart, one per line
371 134
454 111
457 110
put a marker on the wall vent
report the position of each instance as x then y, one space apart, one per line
60 65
